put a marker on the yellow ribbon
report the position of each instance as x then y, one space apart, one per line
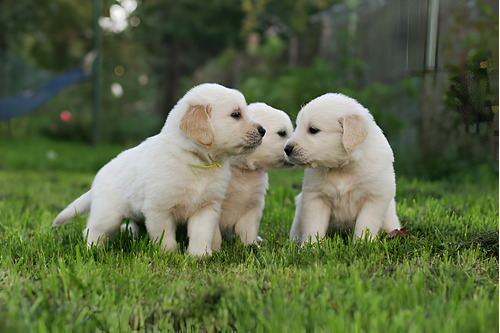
206 166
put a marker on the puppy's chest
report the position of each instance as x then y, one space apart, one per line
345 198
339 188
245 191
205 189
183 196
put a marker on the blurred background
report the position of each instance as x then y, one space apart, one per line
108 72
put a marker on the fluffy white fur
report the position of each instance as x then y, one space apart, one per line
160 181
244 202
349 177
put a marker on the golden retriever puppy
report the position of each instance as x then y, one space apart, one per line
177 176
242 208
349 177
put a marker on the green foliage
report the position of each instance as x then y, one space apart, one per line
32 31
125 129
469 92
42 154
290 16
454 165
273 48
473 86
298 86
61 43
193 22
443 278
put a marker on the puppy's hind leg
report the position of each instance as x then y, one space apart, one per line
247 227
370 219
391 221
216 244
295 231
101 224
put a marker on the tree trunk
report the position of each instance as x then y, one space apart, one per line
293 51
172 76
326 36
236 67
434 127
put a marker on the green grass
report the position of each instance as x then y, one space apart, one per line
443 278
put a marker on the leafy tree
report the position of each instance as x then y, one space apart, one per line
473 88
48 34
290 18
469 92
189 32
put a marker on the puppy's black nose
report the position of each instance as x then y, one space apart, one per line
288 150
262 131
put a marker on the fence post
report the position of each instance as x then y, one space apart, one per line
431 138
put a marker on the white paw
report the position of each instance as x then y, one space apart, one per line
131 228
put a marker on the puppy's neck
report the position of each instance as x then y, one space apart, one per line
202 158
242 171
345 162
194 154
243 163
345 168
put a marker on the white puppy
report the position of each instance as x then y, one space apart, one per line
177 176
349 177
244 202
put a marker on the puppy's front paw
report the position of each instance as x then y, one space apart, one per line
199 251
169 247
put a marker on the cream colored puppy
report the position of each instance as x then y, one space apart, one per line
242 208
177 176
349 178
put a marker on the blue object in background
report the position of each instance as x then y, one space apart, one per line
30 100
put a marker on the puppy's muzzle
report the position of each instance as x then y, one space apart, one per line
254 138
294 154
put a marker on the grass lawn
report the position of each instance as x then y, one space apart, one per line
443 278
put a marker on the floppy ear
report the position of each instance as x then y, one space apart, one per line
355 131
196 124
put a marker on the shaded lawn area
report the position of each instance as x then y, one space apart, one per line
442 278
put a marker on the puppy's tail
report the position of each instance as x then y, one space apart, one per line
80 206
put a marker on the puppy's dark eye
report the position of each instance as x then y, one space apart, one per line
313 130
282 133
236 115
